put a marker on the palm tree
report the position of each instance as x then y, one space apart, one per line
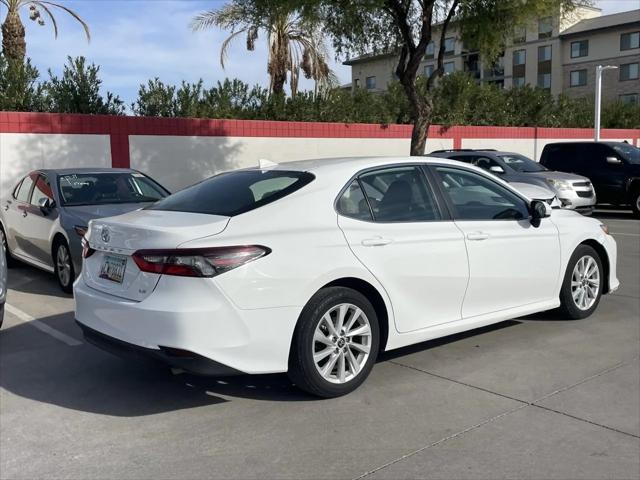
295 43
13 42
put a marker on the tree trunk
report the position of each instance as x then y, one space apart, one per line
277 82
14 45
421 113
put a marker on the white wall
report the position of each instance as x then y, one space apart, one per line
177 162
22 152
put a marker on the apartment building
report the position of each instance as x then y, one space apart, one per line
557 53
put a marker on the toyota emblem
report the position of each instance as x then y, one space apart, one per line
106 236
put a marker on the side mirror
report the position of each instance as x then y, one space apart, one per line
46 205
539 210
614 160
496 169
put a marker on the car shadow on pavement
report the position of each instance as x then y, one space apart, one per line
84 378
606 212
27 279
419 347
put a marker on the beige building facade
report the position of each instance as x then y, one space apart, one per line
556 53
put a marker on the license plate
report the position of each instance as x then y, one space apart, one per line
113 268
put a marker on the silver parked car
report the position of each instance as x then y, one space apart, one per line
44 218
575 192
3 281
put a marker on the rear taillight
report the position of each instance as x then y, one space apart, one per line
197 262
87 251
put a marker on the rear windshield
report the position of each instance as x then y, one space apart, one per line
233 193
108 188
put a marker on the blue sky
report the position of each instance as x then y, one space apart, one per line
135 40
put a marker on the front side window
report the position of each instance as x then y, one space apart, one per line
352 203
629 41
25 189
629 71
578 78
108 188
580 49
630 153
41 190
545 27
371 83
399 194
475 197
233 193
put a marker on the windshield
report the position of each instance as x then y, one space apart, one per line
233 193
630 153
521 164
108 188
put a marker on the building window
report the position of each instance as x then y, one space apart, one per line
371 83
629 71
519 35
580 49
449 46
431 50
629 41
449 67
578 78
518 81
356 83
629 98
519 57
428 70
545 27
544 53
544 80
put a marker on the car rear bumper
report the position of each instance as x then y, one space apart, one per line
188 361
192 315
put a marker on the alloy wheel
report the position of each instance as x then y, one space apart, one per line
63 263
341 343
585 282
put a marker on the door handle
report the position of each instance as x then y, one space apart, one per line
477 236
6 207
24 213
376 242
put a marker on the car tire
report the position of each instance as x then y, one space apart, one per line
635 202
345 359
11 262
583 283
63 266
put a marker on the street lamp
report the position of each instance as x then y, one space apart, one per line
599 70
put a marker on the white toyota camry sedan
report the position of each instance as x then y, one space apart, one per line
314 267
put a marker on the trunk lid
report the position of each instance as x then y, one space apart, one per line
111 269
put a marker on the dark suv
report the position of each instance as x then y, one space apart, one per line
612 167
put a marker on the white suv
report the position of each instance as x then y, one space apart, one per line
314 267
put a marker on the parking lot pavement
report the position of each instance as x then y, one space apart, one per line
535 397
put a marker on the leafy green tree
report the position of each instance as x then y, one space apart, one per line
407 27
295 41
78 90
20 89
14 45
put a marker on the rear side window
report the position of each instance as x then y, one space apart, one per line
399 194
233 193
352 203
25 188
558 157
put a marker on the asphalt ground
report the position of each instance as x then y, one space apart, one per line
534 397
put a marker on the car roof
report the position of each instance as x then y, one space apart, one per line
587 142
354 164
85 170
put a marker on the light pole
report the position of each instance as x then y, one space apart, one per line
599 70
